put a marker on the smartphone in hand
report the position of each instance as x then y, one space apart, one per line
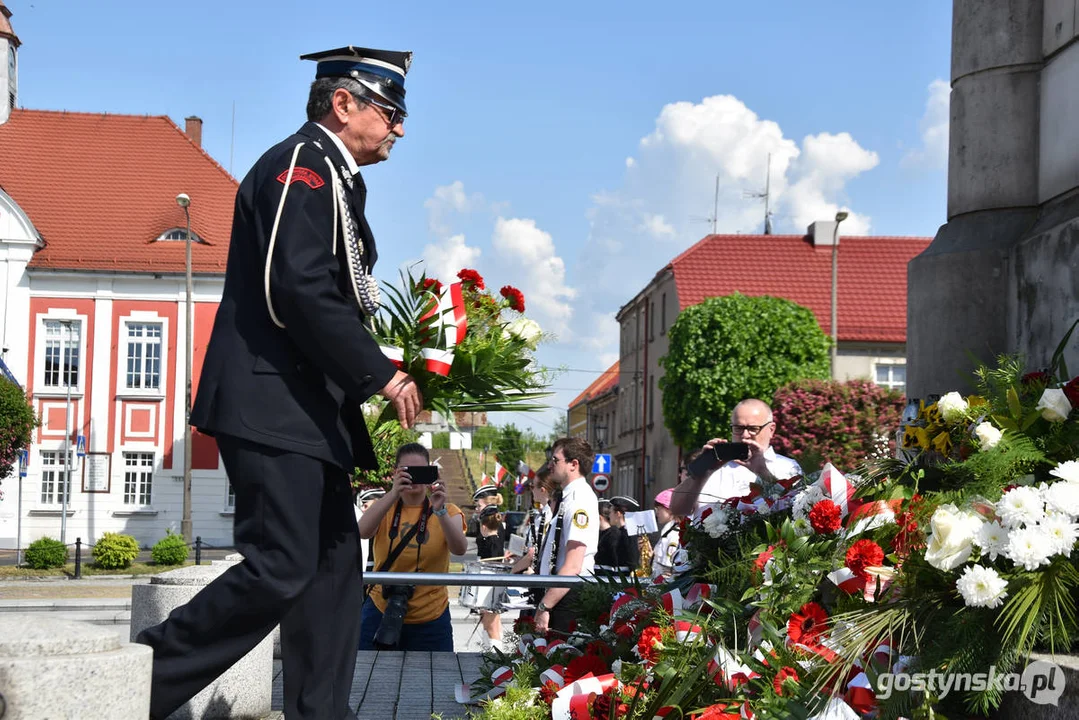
422 474
710 460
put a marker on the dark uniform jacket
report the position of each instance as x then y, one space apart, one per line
299 388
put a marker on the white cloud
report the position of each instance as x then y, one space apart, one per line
657 227
532 261
933 152
827 163
446 257
447 201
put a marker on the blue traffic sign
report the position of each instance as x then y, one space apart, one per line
24 461
601 464
80 446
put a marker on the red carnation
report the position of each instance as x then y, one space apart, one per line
580 666
515 296
649 645
471 277
1071 390
719 712
599 649
863 554
603 704
548 691
783 674
432 285
808 624
1036 378
825 517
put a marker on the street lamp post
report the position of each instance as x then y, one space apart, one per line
65 365
185 521
839 217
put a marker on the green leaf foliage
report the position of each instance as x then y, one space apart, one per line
170 550
17 422
46 553
730 348
115 551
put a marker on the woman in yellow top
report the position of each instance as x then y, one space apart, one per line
429 529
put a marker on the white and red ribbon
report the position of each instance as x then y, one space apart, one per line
837 489
449 319
672 601
395 355
555 674
686 631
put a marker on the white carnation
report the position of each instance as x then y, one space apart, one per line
982 587
1062 533
1030 547
715 522
992 539
805 501
1063 497
952 407
524 328
988 436
1068 470
1021 505
1054 405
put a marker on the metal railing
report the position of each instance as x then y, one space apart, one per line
198 545
485 579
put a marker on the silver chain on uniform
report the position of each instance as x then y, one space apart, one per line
364 285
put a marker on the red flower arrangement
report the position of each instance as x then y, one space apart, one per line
515 296
599 649
783 674
719 712
580 666
524 626
825 517
650 644
601 705
1071 391
548 691
763 558
432 285
863 554
471 277
807 625
1039 377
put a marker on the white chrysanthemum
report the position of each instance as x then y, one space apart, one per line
992 539
1068 470
1030 547
952 407
1021 505
988 435
806 500
715 522
982 587
1062 533
1063 497
802 527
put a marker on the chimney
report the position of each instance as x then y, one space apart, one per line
193 128
822 233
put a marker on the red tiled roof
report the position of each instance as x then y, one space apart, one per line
606 380
101 188
872 295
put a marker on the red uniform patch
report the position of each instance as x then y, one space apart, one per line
304 175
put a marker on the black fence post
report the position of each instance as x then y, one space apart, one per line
198 550
78 558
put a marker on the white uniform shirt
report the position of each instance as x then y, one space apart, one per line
733 480
540 519
580 522
663 554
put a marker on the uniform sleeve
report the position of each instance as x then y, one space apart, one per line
582 523
304 290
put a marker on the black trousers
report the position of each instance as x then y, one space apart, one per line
296 529
564 615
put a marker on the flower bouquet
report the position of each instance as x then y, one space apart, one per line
468 350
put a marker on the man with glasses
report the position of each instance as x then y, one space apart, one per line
569 544
288 366
752 424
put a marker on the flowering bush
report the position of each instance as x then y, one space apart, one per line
843 423
17 423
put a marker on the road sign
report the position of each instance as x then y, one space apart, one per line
80 446
600 482
24 461
601 464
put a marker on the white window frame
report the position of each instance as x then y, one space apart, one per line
230 497
890 363
139 469
138 317
61 470
59 315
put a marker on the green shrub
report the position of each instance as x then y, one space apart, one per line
115 551
170 550
46 553
17 422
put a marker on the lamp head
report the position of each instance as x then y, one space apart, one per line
183 200
841 216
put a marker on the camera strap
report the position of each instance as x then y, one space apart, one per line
419 528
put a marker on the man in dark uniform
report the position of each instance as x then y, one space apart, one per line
288 366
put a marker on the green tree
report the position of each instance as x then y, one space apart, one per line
730 348
560 429
386 437
17 423
509 448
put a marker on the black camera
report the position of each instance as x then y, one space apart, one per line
388 634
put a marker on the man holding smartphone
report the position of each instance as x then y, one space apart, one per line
752 424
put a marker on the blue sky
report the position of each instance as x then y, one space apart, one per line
570 149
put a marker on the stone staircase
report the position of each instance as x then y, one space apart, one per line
458 484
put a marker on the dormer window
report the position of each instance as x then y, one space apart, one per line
179 234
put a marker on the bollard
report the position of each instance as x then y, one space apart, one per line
198 549
78 558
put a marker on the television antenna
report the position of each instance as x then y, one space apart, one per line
714 217
766 196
